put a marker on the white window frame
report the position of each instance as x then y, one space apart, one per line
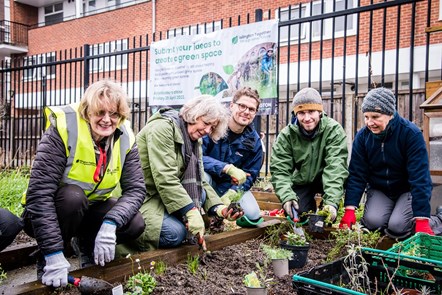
54 12
327 23
39 72
110 63
194 29
89 6
440 10
294 29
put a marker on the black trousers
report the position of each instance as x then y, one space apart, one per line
10 226
306 194
78 218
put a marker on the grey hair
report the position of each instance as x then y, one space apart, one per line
212 109
101 93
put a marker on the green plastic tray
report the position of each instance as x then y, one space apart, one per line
421 245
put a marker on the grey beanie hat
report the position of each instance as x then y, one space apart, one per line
307 99
380 100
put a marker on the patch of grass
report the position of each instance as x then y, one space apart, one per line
160 267
13 183
3 275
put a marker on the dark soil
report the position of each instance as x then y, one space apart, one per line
224 271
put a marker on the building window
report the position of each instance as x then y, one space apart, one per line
195 29
327 24
440 10
295 31
39 67
88 5
53 13
112 62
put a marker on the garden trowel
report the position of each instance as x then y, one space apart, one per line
297 230
88 285
202 245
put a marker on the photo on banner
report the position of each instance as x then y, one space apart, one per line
218 64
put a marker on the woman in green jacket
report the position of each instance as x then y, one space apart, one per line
171 158
309 157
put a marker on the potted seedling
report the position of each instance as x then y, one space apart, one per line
234 202
280 259
257 282
299 247
316 221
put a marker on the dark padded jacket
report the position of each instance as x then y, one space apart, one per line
396 164
245 152
46 173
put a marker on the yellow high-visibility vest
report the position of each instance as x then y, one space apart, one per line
81 161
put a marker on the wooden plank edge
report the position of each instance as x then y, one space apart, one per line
119 269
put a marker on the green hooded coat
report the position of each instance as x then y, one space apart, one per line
160 148
297 160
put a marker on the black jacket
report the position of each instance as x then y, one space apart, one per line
46 173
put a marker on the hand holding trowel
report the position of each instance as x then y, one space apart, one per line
297 230
88 285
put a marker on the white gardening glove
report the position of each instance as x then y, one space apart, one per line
331 211
104 250
56 270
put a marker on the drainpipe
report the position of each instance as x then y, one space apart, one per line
153 16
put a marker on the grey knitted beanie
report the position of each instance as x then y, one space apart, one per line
307 99
380 100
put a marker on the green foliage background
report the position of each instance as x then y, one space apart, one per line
13 184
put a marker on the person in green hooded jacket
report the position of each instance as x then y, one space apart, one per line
171 158
309 157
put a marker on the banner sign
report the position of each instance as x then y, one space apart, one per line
218 64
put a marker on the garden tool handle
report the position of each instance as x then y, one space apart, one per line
295 215
73 281
202 242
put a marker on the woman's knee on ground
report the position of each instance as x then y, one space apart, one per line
70 199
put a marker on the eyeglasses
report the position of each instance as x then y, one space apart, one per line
243 108
112 115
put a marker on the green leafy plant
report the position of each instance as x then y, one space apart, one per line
12 185
263 184
276 253
252 280
275 233
295 239
160 267
142 282
193 263
259 278
344 238
3 275
235 198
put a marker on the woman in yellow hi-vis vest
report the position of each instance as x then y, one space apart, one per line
86 151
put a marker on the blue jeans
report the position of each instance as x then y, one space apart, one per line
173 231
248 202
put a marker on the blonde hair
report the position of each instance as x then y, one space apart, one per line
212 109
104 92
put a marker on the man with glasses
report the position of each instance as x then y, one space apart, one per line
232 164
309 157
